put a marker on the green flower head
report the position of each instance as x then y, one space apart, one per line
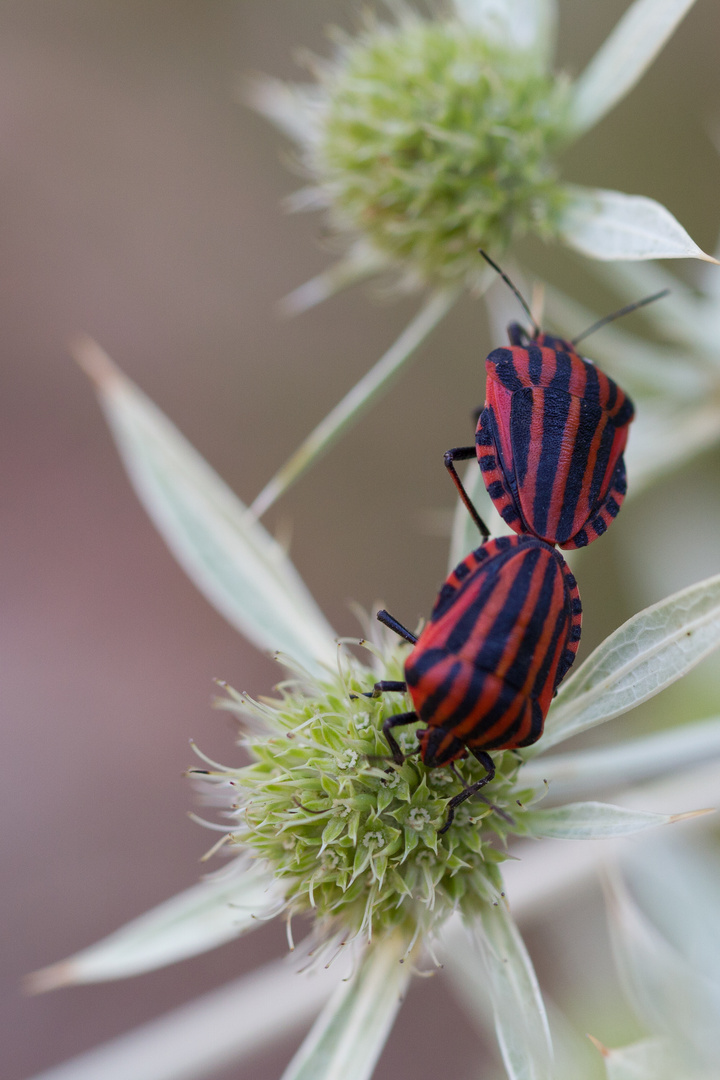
437 141
424 139
351 836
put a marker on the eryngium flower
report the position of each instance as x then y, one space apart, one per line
436 140
350 835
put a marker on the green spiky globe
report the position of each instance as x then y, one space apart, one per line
435 143
353 838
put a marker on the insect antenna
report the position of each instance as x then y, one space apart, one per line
518 294
388 620
619 314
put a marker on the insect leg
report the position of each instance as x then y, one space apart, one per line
382 687
397 721
485 760
464 453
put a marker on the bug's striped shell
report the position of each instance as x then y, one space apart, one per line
550 441
504 631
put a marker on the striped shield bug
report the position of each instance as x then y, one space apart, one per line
503 632
551 436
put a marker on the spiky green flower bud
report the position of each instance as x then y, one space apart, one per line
350 835
435 141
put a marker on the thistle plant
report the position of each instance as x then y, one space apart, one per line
317 824
422 140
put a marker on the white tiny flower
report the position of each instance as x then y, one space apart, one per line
418 818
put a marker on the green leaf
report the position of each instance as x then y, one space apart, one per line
526 26
351 1032
295 108
610 225
647 653
649 1059
594 820
682 316
683 905
358 399
361 262
628 762
670 996
211 1033
201 918
623 58
232 559
651 454
521 1022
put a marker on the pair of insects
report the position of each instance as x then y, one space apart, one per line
505 627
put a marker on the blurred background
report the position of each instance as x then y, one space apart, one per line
141 203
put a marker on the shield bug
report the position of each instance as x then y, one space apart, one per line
503 633
551 436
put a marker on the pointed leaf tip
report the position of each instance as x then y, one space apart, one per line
598 1045
691 814
610 225
49 978
94 361
229 556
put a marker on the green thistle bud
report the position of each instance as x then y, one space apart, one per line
435 141
349 835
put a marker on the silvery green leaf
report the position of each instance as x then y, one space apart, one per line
647 653
213 1032
593 820
542 870
573 1054
671 997
350 1033
682 905
359 398
526 26
610 225
295 108
650 454
521 1022
624 763
649 1059
232 559
623 58
361 262
200 918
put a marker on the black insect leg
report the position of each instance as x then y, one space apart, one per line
397 721
383 686
393 685
464 453
389 684
471 790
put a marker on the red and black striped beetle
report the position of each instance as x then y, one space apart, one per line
551 437
504 631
